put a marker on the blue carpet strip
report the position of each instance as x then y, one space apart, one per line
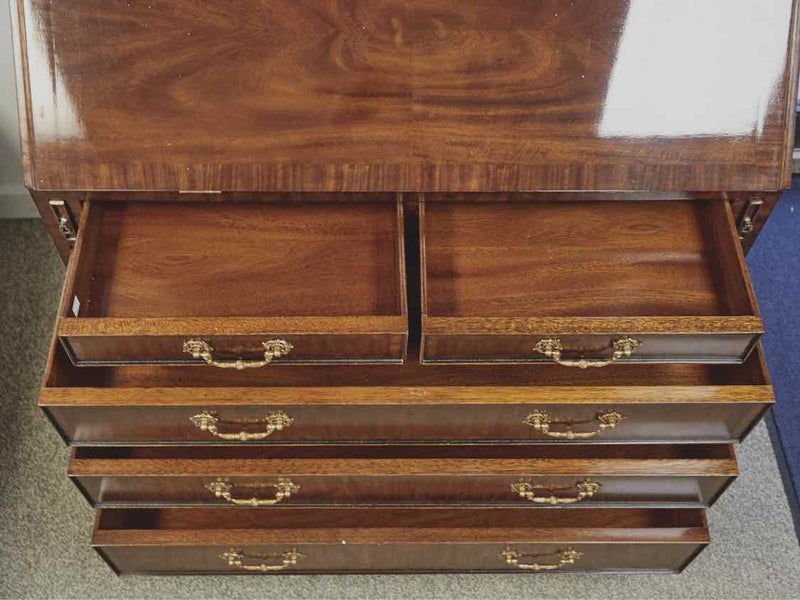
774 263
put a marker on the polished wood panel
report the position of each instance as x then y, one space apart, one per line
397 540
214 260
412 402
329 278
587 259
405 95
497 277
453 475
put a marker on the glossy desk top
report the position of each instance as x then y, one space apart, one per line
398 95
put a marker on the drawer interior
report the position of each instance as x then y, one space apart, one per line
582 259
203 259
644 452
379 518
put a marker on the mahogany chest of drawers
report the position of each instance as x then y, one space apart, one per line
405 286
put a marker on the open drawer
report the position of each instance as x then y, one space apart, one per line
377 540
651 403
236 285
540 475
584 284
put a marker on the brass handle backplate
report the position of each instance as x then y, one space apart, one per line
541 421
284 560
274 421
585 488
202 350
565 557
552 348
223 488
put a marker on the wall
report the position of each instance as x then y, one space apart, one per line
15 203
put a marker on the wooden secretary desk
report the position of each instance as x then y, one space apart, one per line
405 285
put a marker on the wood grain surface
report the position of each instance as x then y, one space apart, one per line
398 540
328 277
587 273
412 402
405 95
587 259
241 260
453 475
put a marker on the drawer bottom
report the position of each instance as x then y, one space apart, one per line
308 540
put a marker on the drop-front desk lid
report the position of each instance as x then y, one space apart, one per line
475 95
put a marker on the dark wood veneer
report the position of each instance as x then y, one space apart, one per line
412 402
452 475
397 540
412 95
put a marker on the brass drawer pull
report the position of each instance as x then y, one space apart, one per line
566 557
274 421
586 489
222 488
201 350
236 558
552 349
541 421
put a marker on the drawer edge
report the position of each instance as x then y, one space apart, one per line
332 396
591 325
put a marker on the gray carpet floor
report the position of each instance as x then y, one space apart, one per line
45 524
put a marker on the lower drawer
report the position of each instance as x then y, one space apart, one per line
640 403
543 475
298 540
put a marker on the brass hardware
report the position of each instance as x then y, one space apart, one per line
66 224
746 222
222 488
552 349
586 489
201 350
236 558
566 557
540 420
210 421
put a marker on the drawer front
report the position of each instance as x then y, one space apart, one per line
585 351
584 284
400 558
455 475
256 351
308 540
575 423
236 285
405 403
294 490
